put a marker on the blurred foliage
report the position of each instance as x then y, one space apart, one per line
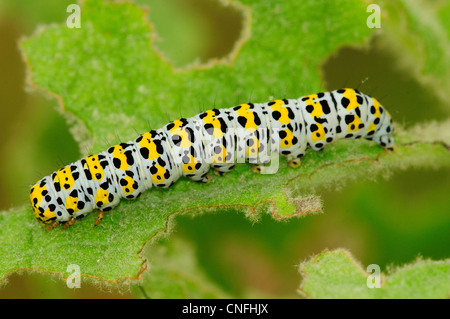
336 274
175 273
377 221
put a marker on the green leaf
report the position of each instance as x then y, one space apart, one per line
112 84
420 30
175 273
336 274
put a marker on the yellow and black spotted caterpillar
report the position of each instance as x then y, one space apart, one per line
217 138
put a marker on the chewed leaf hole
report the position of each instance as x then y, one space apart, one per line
198 33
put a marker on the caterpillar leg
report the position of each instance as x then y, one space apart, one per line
100 215
69 223
257 169
52 225
218 173
391 149
260 169
204 179
294 160
294 163
200 176
222 170
264 169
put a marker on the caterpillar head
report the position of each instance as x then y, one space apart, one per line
384 134
43 203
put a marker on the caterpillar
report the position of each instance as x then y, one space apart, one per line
218 139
